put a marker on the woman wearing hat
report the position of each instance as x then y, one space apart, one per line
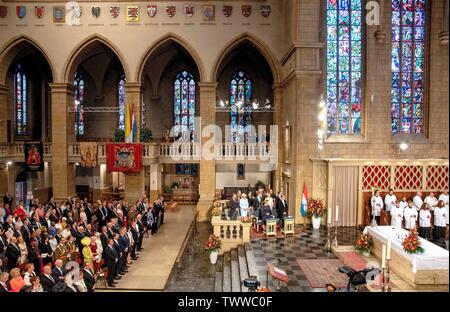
243 204
87 252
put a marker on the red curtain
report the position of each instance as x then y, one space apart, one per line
124 157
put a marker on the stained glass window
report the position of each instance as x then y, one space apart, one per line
79 102
20 99
184 100
240 96
121 97
407 66
344 66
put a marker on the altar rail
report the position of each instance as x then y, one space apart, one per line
233 233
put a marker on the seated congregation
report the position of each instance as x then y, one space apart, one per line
42 244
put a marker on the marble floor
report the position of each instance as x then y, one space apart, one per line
154 266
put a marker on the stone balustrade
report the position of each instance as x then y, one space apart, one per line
233 233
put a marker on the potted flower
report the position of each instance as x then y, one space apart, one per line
212 246
364 244
411 244
316 210
246 220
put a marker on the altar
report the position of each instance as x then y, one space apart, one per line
428 270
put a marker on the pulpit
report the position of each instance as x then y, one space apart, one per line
288 227
271 227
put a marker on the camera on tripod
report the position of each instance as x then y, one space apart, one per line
251 283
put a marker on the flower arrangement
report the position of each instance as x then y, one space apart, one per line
316 208
411 244
246 220
215 209
263 289
364 243
213 243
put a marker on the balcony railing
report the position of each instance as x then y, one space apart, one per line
232 233
154 152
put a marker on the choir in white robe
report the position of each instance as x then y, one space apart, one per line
403 204
410 215
431 201
377 205
425 223
396 216
444 198
389 201
418 202
439 222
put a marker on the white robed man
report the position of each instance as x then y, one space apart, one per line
377 206
444 198
410 216
403 203
431 200
396 215
417 201
439 220
389 202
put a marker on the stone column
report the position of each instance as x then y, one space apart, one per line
3 113
207 185
278 119
135 184
155 181
63 133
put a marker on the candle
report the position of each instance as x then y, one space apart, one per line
337 213
388 254
329 216
383 257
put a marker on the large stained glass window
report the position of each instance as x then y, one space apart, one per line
79 102
344 66
121 98
184 100
240 98
407 65
20 99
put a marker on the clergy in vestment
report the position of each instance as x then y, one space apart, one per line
396 215
439 220
377 206
389 200
425 222
410 216
431 200
417 200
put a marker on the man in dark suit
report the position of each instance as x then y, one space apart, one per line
4 284
13 253
124 245
88 277
47 280
104 237
141 229
102 215
282 206
234 205
3 243
135 234
111 258
58 272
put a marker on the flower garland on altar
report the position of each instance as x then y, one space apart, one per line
316 208
246 220
411 244
364 243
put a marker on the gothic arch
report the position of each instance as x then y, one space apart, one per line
79 53
9 51
257 44
184 44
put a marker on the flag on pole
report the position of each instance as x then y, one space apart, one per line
305 200
130 123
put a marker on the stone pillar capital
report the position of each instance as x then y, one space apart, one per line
3 89
62 88
135 87
207 86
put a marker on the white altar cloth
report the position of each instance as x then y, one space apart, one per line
433 258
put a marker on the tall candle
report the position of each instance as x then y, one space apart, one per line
337 213
388 254
329 216
383 257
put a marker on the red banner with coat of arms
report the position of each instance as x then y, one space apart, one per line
124 157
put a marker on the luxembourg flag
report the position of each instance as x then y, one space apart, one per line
305 200
130 123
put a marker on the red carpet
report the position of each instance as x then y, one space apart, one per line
352 259
323 271
260 235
